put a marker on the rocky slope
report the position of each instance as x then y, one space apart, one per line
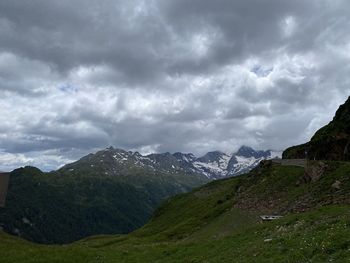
331 142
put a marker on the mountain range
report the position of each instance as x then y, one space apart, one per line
115 191
213 165
110 191
217 165
221 221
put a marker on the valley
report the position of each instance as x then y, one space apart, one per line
112 191
175 131
220 222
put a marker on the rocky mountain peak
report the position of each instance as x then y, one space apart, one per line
245 151
248 152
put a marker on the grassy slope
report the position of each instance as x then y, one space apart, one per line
215 223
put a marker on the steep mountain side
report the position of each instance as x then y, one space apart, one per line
220 222
47 208
330 142
86 198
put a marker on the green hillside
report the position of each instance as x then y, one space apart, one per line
219 223
61 207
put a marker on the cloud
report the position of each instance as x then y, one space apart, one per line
161 75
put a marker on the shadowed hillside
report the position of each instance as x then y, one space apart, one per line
329 143
61 207
4 180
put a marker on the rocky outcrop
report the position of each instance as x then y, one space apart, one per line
332 142
314 171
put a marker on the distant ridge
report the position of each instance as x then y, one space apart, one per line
216 164
212 165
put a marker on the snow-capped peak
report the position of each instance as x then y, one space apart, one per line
214 165
217 165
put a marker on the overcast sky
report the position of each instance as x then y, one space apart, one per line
167 75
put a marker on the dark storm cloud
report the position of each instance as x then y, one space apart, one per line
243 28
163 75
68 34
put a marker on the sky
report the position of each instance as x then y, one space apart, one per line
194 76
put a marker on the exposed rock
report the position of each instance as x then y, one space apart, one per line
336 185
314 171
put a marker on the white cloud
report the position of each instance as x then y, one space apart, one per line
189 76
288 26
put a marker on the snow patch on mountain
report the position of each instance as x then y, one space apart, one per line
216 165
213 165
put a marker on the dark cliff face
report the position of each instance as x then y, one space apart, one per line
332 142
